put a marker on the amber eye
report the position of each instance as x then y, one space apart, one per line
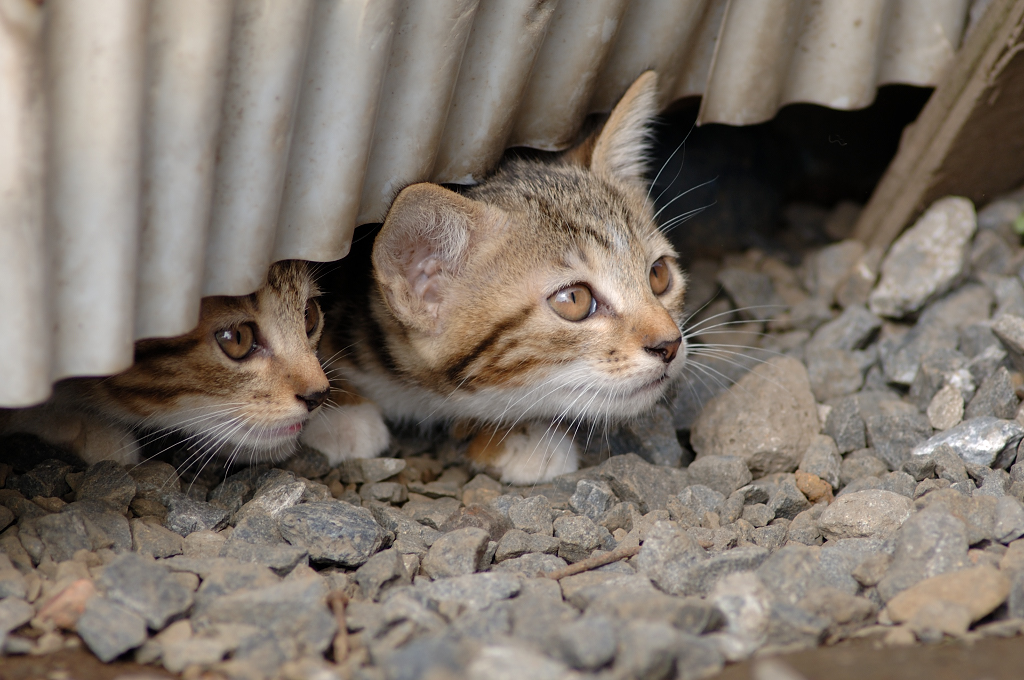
312 316
238 342
573 303
661 276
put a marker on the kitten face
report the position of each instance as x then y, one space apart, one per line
547 292
242 383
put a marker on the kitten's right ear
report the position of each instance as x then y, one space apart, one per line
423 244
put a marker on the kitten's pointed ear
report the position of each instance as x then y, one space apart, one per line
621 147
423 244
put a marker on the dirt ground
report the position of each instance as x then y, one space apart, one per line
988 659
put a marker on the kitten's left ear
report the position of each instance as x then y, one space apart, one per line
424 243
622 145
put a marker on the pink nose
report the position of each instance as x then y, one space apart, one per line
666 350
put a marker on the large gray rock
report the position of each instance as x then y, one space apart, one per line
822 459
926 260
109 629
456 552
768 418
145 587
724 474
849 331
865 514
845 425
634 480
332 531
929 543
833 373
667 555
980 441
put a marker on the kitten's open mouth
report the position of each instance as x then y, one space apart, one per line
283 432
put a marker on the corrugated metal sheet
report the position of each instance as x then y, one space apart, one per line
155 151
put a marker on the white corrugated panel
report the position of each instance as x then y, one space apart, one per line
155 151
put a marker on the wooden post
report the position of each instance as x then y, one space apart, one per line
969 138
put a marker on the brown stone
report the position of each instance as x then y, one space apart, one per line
980 589
67 606
814 487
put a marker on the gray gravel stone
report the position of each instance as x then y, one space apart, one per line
62 534
456 553
901 364
150 538
380 573
987 361
515 543
145 587
767 418
758 514
849 331
532 515
845 425
946 409
926 260
1009 328
702 576
666 556
530 564
588 643
791 626
1009 520
929 543
938 368
822 459
634 480
899 482
982 441
646 650
472 591
771 537
293 612
109 629
995 397
804 528
784 498
977 338
107 481
894 434
45 479
592 498
865 514
332 531
384 492
185 515
579 536
432 512
481 517
154 478
370 470
697 498
832 373
724 474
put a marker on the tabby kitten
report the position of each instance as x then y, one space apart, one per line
241 384
540 300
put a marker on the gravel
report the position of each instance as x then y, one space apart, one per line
863 484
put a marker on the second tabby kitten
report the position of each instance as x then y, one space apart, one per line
540 300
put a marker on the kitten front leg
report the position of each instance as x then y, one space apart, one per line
528 453
345 432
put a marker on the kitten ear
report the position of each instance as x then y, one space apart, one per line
621 147
423 244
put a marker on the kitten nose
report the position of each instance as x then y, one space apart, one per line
314 399
666 350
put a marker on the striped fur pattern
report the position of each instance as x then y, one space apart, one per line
251 407
460 327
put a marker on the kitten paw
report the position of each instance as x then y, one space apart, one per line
527 454
347 432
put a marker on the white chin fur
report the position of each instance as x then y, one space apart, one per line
347 432
538 454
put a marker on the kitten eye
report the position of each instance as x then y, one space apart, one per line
573 303
312 317
238 342
661 276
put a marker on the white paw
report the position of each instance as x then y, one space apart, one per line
538 452
347 432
